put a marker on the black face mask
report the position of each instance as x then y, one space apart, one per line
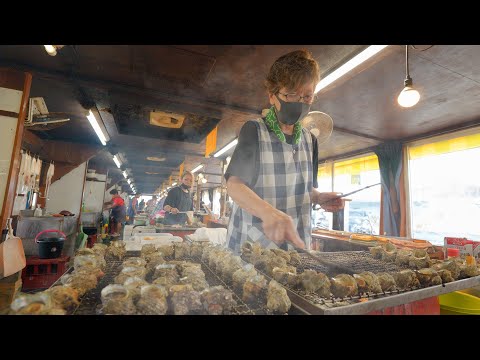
186 187
291 112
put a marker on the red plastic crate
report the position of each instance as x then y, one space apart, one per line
42 273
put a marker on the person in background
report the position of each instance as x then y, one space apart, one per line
133 208
141 205
273 171
118 211
151 204
178 200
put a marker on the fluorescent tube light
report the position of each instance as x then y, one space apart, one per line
174 184
51 50
349 65
124 174
117 161
197 168
96 127
226 148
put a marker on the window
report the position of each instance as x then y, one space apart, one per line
362 213
444 187
216 201
206 197
320 218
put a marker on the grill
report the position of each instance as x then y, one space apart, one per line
357 262
242 308
90 303
351 261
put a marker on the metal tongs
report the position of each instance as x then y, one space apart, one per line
319 206
339 269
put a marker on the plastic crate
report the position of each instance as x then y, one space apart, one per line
42 273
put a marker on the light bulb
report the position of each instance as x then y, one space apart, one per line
204 180
408 97
51 50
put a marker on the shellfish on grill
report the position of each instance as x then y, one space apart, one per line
343 285
387 282
277 298
367 282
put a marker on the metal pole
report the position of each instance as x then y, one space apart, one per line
224 188
199 194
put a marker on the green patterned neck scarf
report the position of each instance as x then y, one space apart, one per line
273 124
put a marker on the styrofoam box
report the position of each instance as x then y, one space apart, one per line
146 237
138 241
129 230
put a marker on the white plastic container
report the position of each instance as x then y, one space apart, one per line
138 241
38 211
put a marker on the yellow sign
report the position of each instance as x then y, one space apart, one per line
211 142
181 169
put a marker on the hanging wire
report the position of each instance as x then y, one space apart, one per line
406 62
429 47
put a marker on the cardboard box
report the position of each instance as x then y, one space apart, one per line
464 245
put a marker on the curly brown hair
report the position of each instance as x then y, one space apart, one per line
292 70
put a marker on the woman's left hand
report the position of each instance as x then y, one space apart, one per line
329 201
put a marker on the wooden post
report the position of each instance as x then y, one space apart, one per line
14 96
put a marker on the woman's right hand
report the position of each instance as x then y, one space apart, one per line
279 227
174 210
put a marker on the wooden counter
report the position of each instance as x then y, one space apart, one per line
324 242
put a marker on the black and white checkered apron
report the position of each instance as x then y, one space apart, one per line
284 181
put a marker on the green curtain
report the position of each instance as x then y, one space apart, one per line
390 162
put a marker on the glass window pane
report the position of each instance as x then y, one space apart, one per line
445 195
362 213
320 218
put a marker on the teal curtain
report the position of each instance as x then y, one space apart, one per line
390 162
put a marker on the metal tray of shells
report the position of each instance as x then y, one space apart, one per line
313 270
407 271
91 300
